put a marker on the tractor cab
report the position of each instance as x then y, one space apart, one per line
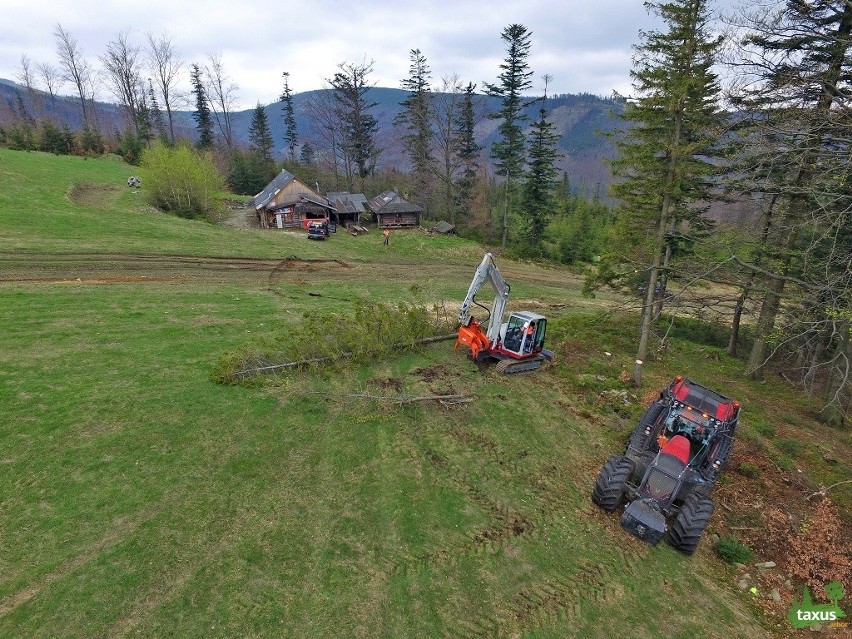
694 427
523 334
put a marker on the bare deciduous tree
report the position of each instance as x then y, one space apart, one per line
51 76
222 92
122 68
327 134
76 69
24 74
166 67
446 105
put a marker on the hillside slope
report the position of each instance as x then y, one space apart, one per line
141 499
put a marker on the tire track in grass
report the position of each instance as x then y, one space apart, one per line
111 539
553 599
507 523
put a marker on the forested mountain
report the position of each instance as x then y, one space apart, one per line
579 119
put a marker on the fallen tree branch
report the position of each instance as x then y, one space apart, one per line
401 400
823 492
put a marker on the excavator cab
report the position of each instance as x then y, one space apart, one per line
523 334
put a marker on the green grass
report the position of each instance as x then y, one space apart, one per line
139 498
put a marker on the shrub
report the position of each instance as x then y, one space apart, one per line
791 447
733 551
181 180
749 470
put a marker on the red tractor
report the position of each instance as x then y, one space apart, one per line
671 464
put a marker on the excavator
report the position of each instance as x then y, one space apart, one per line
517 346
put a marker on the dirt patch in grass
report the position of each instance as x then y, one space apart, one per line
121 279
116 268
433 373
95 196
308 265
389 383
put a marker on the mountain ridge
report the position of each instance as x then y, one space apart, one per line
579 120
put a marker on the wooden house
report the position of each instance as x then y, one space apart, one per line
348 207
288 202
392 211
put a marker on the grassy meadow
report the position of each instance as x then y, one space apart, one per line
138 498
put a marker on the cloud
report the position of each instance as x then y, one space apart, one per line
585 46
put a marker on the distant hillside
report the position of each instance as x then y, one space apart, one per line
579 118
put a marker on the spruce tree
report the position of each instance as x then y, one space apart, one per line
415 119
307 154
514 79
291 138
467 151
260 137
157 120
794 154
541 178
664 165
144 122
258 162
353 110
202 115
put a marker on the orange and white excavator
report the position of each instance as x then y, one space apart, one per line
517 345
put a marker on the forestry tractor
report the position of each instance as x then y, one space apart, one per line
516 345
671 464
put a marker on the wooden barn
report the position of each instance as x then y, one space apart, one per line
288 202
348 206
392 211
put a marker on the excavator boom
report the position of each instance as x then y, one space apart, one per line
487 271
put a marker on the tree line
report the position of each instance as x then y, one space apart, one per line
448 170
776 138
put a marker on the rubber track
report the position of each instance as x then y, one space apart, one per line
518 367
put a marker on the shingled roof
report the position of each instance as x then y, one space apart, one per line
347 203
278 182
390 202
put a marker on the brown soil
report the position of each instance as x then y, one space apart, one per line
776 514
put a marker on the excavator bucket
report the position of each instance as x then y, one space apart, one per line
473 337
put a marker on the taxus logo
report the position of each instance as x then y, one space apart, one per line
805 614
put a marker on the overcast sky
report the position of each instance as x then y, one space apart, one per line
584 44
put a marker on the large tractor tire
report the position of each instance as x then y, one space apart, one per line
691 522
609 487
639 441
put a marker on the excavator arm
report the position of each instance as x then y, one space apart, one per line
488 272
